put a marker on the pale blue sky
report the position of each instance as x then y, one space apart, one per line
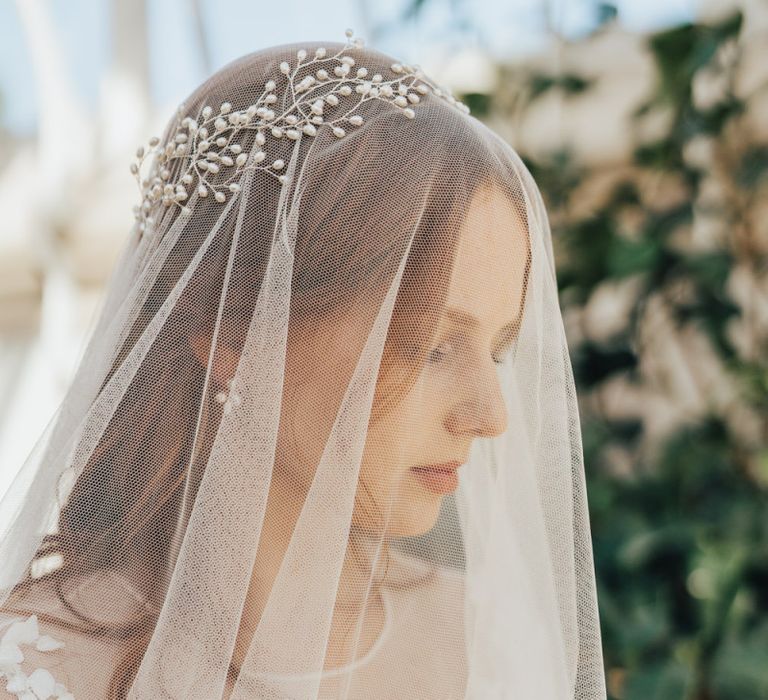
236 27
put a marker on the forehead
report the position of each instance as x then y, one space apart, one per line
488 276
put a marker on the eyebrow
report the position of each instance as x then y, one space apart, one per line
462 318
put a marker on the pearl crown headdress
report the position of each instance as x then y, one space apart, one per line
208 144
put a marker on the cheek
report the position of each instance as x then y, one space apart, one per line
396 442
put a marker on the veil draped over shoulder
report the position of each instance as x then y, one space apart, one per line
324 440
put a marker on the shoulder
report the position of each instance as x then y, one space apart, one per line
48 653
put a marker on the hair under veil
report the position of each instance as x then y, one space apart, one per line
235 498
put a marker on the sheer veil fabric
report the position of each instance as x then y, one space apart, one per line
324 439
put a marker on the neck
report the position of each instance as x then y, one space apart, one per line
353 591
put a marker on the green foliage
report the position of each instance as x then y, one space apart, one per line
681 543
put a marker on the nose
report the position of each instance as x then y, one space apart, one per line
483 413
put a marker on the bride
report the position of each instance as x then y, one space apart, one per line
324 440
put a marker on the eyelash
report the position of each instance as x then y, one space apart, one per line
436 349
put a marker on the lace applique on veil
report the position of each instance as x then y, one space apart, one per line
40 684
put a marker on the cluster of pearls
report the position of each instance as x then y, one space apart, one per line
207 143
230 398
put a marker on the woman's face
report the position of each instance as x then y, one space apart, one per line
456 397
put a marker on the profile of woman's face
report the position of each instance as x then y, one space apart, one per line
455 399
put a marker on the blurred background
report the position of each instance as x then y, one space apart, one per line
645 125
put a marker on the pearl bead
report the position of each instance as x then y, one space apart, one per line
259 156
309 130
187 178
154 141
220 123
277 132
293 134
134 168
301 55
213 168
221 141
322 74
270 85
278 164
338 131
362 72
140 152
283 179
400 101
234 187
225 107
207 111
397 68
220 197
285 68
236 148
202 191
332 100
409 113
241 159
356 119
202 164
227 161
186 210
320 52
260 138
348 32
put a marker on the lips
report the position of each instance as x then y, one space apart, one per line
438 478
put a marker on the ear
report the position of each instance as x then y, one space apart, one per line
225 360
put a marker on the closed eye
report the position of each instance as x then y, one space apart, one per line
440 352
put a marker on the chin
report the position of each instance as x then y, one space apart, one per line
419 520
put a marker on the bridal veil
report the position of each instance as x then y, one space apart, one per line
323 441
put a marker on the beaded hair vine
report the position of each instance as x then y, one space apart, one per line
207 142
